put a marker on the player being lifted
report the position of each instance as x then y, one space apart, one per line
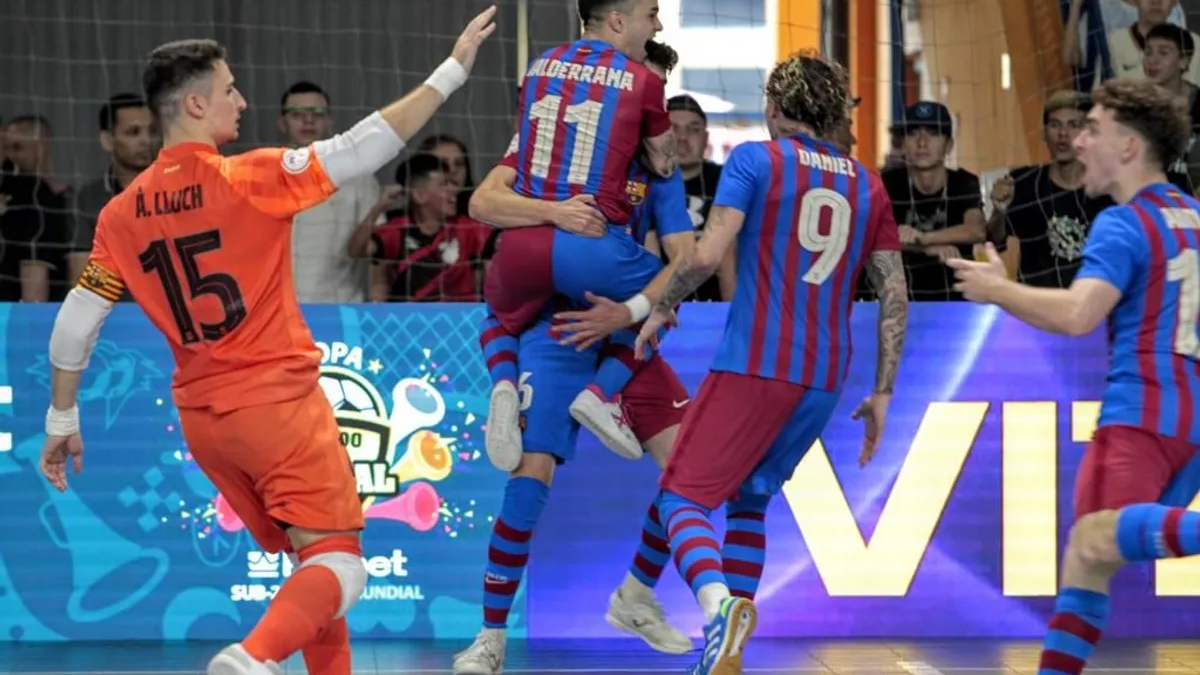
1141 272
587 109
655 400
806 219
203 243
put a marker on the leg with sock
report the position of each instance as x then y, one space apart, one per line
329 653
508 554
633 606
502 436
744 551
1079 617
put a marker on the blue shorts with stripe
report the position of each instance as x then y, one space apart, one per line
744 434
614 266
552 375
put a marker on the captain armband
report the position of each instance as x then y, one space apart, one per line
77 327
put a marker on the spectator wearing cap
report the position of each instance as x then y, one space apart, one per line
130 137
939 210
700 176
1169 54
1044 207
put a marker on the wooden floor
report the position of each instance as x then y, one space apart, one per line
598 657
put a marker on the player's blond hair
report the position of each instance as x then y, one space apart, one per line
812 90
1157 115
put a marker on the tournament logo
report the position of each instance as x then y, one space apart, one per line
388 447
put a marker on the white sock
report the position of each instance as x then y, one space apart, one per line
710 597
632 587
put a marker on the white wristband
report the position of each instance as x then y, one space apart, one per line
639 307
448 77
62 422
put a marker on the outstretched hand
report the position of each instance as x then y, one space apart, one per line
977 281
585 328
478 30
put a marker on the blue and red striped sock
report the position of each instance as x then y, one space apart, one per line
1079 618
1154 531
745 549
653 551
618 364
694 544
508 550
499 350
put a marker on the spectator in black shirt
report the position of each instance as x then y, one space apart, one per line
700 176
939 210
1168 53
33 233
1044 207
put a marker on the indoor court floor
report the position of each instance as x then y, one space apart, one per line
599 657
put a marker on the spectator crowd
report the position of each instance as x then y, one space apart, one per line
411 239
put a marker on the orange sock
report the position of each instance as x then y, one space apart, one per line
304 605
329 654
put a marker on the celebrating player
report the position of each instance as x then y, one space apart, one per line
658 205
806 218
586 109
202 242
1141 270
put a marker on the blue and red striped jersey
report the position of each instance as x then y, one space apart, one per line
1149 249
659 205
585 108
813 216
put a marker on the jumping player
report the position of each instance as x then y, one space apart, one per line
202 242
806 219
587 109
658 208
1141 267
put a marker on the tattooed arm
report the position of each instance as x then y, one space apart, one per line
885 270
724 223
661 154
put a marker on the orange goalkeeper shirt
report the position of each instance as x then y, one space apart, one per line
203 244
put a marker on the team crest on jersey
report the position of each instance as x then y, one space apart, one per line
636 190
297 160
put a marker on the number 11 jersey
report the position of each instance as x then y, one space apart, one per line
585 108
203 244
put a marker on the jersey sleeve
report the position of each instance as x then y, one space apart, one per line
668 200
885 235
510 155
101 275
738 177
278 181
655 120
1113 249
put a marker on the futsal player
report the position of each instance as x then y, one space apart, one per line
587 109
202 242
806 219
658 208
1141 267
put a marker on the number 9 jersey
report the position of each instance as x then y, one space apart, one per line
203 244
812 217
585 108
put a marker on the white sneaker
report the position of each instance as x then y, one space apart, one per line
485 656
502 438
607 421
233 660
643 616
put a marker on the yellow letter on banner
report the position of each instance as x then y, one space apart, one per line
847 564
1029 499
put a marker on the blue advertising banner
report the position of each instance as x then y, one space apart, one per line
953 531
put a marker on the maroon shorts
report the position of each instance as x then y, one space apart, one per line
520 278
655 400
1126 465
744 433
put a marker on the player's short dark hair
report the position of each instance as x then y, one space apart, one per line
662 55
118 102
810 89
174 66
1181 37
595 10
417 168
1150 111
303 87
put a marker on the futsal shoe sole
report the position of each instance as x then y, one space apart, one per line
742 619
598 417
233 660
502 438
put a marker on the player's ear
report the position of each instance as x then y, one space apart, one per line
282 122
106 141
